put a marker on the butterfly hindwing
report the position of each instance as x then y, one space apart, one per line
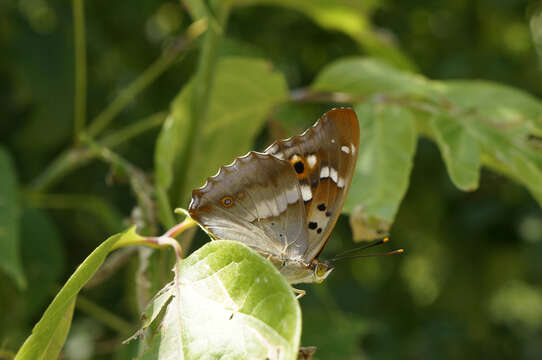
323 158
256 200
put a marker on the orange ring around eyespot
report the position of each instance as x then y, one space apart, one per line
227 201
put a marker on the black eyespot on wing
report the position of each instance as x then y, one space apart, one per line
299 167
322 207
319 230
328 213
313 225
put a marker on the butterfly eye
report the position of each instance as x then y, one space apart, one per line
227 201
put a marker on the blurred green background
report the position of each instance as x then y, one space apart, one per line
470 283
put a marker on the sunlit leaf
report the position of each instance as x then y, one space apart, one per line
385 157
459 150
51 328
61 333
227 302
10 260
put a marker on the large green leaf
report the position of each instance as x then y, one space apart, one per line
385 157
50 332
10 260
244 92
460 151
226 302
473 122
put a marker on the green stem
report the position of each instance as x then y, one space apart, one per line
130 131
145 79
66 162
80 102
74 158
105 316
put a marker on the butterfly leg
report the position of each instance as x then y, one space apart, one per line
300 293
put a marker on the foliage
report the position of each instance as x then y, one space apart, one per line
172 91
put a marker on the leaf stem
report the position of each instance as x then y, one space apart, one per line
80 101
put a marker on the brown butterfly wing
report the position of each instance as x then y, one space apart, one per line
256 200
324 158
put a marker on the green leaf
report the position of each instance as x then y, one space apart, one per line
10 260
385 157
227 302
460 151
366 77
50 330
61 333
508 155
513 110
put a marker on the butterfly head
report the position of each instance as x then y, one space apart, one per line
321 270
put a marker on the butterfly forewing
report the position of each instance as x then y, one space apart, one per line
323 158
255 200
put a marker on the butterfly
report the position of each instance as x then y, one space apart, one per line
284 202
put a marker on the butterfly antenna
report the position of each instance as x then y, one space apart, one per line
394 252
370 245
